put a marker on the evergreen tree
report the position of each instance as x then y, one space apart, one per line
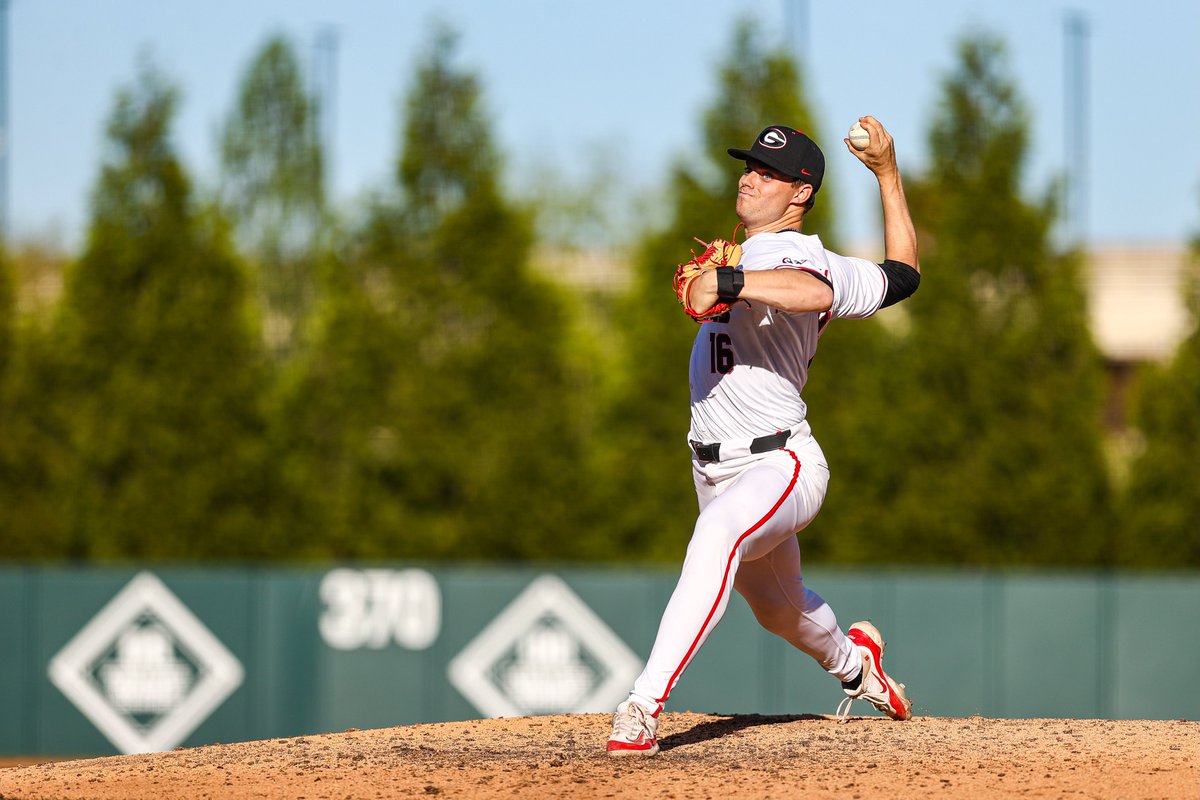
9 421
161 374
272 187
34 449
855 399
334 438
490 371
459 442
1162 503
7 314
998 413
35 452
641 471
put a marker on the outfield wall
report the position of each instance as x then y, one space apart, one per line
103 661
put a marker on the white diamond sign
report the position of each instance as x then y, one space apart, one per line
546 653
145 670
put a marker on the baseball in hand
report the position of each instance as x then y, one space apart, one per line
859 137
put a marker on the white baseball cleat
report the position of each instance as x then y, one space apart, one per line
633 732
875 686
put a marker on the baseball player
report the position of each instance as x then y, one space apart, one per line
760 476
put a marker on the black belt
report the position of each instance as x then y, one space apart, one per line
763 444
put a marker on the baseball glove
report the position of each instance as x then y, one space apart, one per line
717 253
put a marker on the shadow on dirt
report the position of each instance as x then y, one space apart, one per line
725 726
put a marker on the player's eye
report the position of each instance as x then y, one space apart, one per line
761 173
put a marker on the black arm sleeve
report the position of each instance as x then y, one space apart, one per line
902 281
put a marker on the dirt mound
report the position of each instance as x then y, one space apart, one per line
702 756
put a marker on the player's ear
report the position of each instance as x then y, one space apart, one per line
802 193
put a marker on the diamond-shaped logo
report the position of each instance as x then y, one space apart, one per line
546 653
145 670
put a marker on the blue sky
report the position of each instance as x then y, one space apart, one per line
628 79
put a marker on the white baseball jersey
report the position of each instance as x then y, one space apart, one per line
746 375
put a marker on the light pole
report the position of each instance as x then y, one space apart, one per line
1076 125
797 28
4 138
325 48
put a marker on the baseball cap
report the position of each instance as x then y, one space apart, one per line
788 150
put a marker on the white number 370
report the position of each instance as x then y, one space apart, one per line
375 607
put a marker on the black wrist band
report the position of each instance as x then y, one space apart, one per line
729 283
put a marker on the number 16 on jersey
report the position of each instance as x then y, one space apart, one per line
720 353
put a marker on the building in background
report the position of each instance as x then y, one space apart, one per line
1136 312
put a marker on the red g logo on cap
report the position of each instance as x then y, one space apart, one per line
774 139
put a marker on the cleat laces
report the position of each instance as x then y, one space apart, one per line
843 709
880 699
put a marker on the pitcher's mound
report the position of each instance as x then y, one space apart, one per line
703 756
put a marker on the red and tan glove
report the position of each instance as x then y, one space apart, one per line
717 253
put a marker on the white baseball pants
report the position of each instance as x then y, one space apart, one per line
750 510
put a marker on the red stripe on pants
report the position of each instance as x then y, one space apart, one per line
725 580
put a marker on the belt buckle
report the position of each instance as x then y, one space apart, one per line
774 441
707 452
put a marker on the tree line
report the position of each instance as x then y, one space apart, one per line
243 372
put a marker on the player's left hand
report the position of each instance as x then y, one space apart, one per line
695 281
